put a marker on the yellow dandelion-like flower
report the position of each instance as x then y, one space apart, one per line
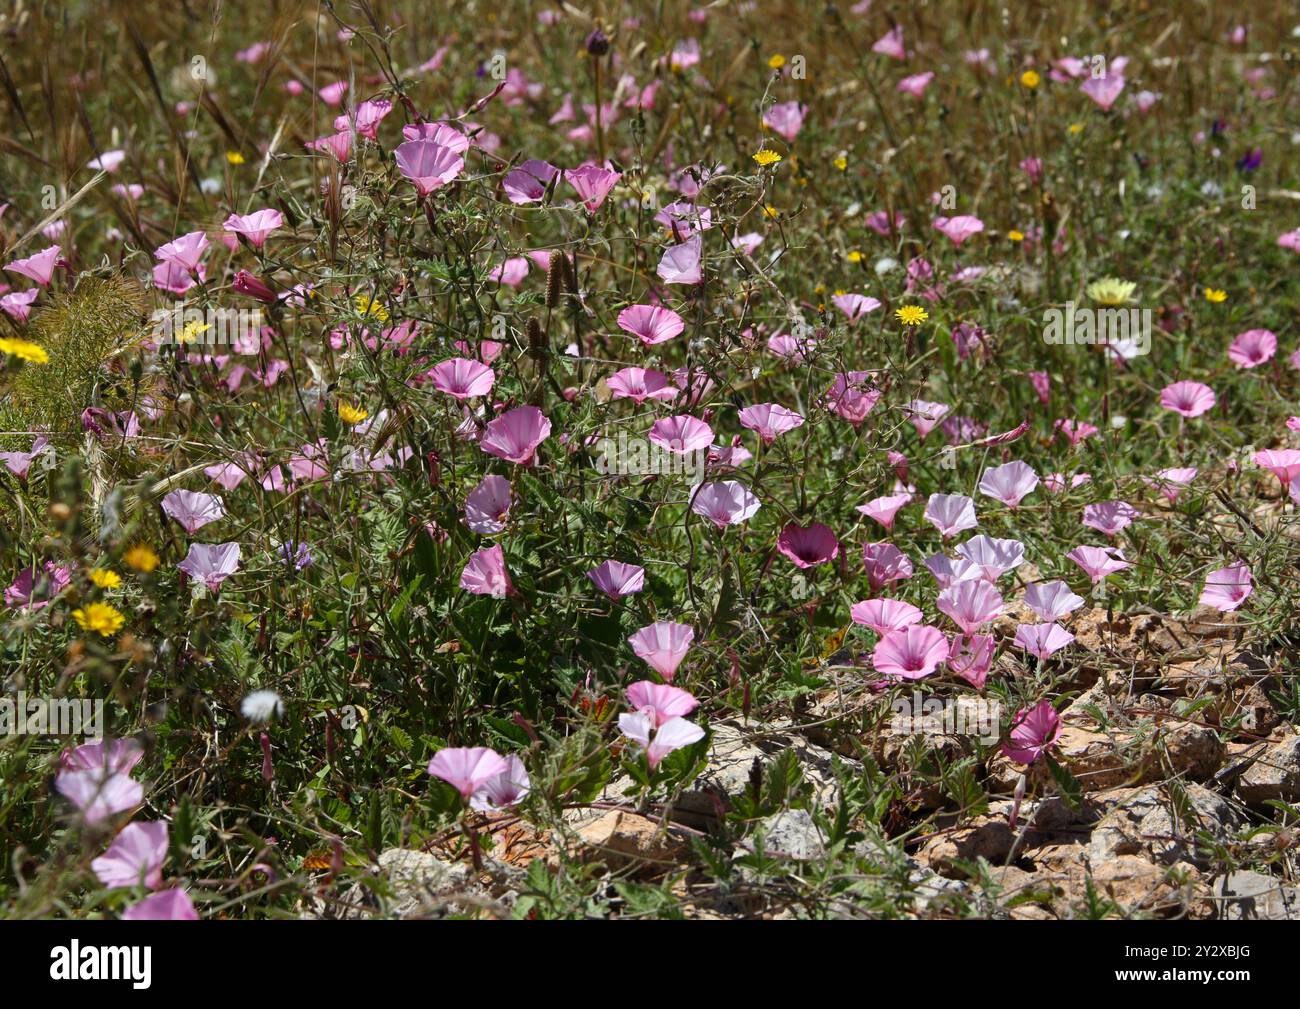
192 331
1109 291
840 291
841 162
1016 236
855 256
819 289
141 557
106 579
100 618
234 158
1030 79
352 415
1215 296
1076 129
771 212
367 305
912 315
24 350
766 157
776 62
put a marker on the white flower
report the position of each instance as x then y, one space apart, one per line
262 706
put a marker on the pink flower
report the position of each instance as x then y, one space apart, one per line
1042 639
508 788
1104 90
1033 731
949 571
212 564
255 226
485 574
1191 399
993 557
185 252
891 44
428 164
332 94
852 396
1033 167
117 756
369 115
462 378
1042 383
912 653
1009 483
528 183
516 434
885 615
958 229
20 463
488 506
786 119
1171 482
99 794
1098 562
658 742
109 161
925 416
18 305
885 563
1110 517
970 604
681 434
650 324
246 283
1075 431
879 222
193 509
174 278
467 768
680 264
1283 463
511 272
1227 588
39 268
1290 240
616 579
725 503
769 420
970 656
854 306
135 858
915 84
1051 601
663 645
640 384
951 513
337 144
165 905
439 133
592 184
1252 348
884 509
660 702
808 546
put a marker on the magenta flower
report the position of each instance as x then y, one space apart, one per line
1283 463
912 653
971 604
255 226
511 272
185 252
1051 601
1227 588
1290 240
1171 482
1104 90
925 416
369 115
725 503
616 579
891 44
488 506
1033 731
808 546
1098 562
1252 348
193 509
39 268
681 434
1191 399
785 119
884 509
885 615
165 905
174 278
592 184
516 434
18 304
660 702
467 768
680 264
970 656
958 229
135 858
462 378
246 283
915 84
1075 431
769 420
854 306
508 788
19 463
528 183
439 133
885 563
657 743
663 645
852 395
99 794
1042 640
1009 483
640 384
1110 517
485 574
428 164
337 144
650 324
993 557
951 514
879 222
211 564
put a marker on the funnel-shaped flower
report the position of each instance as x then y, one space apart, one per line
1252 348
135 858
467 768
616 579
680 264
488 506
640 384
1098 562
1110 517
681 434
99 794
1051 601
39 267
663 645
462 378
1033 731
658 743
515 435
592 184
885 615
808 546
912 653
428 164
212 564
528 183
1190 399
1042 640
951 513
650 324
193 509
485 573
769 420
948 571
970 656
993 557
958 229
883 509
660 702
1009 483
971 604
885 563
255 226
165 905
508 788
1227 588
185 252
724 503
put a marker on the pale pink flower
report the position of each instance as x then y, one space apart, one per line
912 653
657 743
1290 240
785 346
255 226
337 144
18 304
970 656
467 768
1055 482
592 184
485 573
949 571
528 183
332 94
616 579
1033 731
1051 601
884 509
1042 640
135 858
879 222
109 161
211 563
39 268
1009 483
993 557
808 546
885 615
970 604
185 252
680 264
660 702
1104 90
891 44
951 513
174 278
785 118
116 756
1171 482
958 229
1074 430
769 420
20 463
925 416
516 434
1283 463
428 164
439 133
1110 517
1098 562
1190 399
99 794
462 378
725 503
854 306
915 84
885 563
640 384
663 646
369 115
508 788
488 506
1252 348
511 272
681 434
650 324
1227 588
193 509
852 396
165 905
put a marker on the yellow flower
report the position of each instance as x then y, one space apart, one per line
1215 296
1030 79
841 162
776 62
771 212
105 578
1110 291
234 158
766 157
191 331
352 415
912 315
100 618
1076 128
854 257
24 349
141 557
1016 236
819 289
839 291
367 305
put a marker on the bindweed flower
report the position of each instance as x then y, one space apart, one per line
165 905
467 769
516 435
658 742
1051 601
663 646
616 579
911 653
951 514
211 564
135 858
485 574
808 546
1033 731
727 502
1227 588
1042 640
885 615
193 509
